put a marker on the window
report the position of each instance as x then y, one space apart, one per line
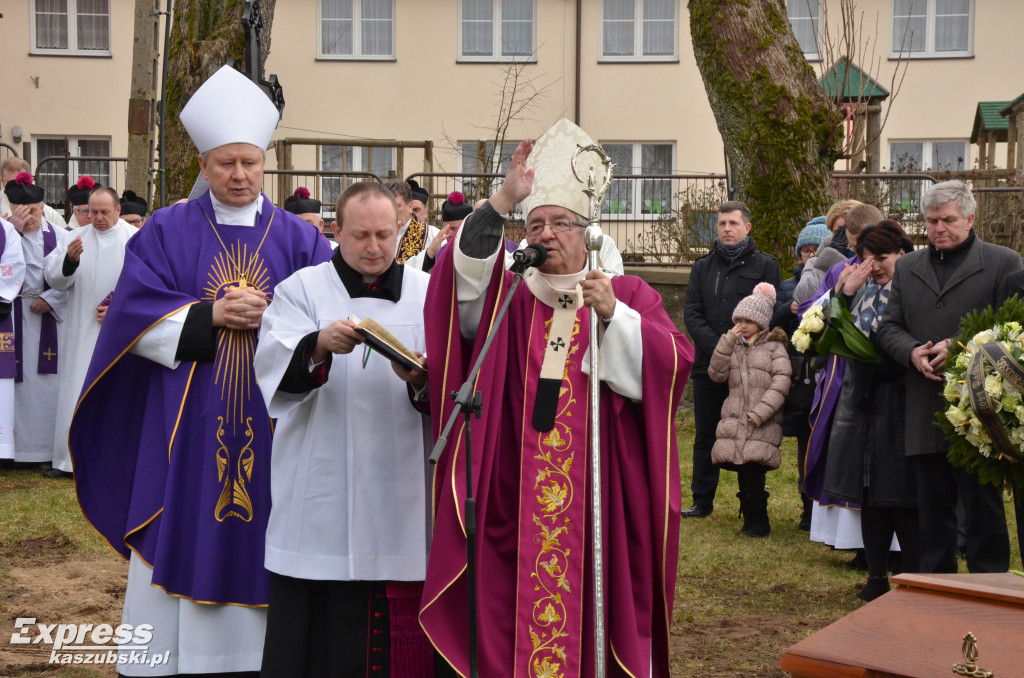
639 29
357 29
71 27
50 173
805 17
932 28
634 197
496 30
379 161
923 156
472 163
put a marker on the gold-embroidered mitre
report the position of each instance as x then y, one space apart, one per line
554 182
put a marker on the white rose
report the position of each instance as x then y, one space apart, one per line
815 325
984 337
802 341
956 416
993 386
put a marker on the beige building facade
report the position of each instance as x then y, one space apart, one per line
436 70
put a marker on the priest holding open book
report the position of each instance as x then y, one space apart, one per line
530 448
348 533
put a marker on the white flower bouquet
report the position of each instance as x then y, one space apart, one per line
828 329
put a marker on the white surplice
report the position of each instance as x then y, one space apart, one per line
97 272
12 273
35 398
349 474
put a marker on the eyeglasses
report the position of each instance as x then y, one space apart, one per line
535 228
81 209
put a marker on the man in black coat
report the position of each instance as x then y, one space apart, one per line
932 289
718 281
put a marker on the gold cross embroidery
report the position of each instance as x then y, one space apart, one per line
49 354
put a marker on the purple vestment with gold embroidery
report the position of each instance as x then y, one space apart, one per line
534 538
174 464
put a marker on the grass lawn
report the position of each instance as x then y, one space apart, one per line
739 601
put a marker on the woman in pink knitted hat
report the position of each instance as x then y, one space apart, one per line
754 362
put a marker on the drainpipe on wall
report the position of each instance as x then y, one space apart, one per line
579 40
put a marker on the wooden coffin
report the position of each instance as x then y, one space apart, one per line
917 631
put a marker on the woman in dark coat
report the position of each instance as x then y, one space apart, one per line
867 461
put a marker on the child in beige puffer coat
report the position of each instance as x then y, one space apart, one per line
754 361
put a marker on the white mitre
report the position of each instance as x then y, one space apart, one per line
554 182
228 108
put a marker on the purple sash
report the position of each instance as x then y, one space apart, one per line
8 359
48 327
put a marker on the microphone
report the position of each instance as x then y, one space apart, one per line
532 255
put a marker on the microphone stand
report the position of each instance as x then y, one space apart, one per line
469 402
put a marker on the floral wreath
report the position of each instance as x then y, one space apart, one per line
984 386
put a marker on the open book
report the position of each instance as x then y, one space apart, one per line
385 343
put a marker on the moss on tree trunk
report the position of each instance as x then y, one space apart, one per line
782 134
204 35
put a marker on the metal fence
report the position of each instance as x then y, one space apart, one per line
7 151
652 218
322 185
659 219
56 173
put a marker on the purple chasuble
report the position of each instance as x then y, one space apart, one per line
174 464
47 363
534 535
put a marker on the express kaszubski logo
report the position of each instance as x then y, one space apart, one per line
88 643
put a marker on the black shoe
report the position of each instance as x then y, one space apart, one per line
57 473
805 515
697 511
859 562
875 588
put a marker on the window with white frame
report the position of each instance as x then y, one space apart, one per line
357 29
932 28
639 30
805 17
50 173
497 30
70 27
379 161
483 160
637 196
923 155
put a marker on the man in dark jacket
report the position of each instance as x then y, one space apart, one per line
718 281
932 289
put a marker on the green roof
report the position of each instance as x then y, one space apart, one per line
1005 110
988 119
849 84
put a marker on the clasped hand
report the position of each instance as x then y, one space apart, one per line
241 308
930 359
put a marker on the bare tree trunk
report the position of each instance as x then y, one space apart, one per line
782 135
142 105
205 34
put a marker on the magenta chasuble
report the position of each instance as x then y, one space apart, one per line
534 539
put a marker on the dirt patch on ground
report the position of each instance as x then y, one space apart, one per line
51 549
67 592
